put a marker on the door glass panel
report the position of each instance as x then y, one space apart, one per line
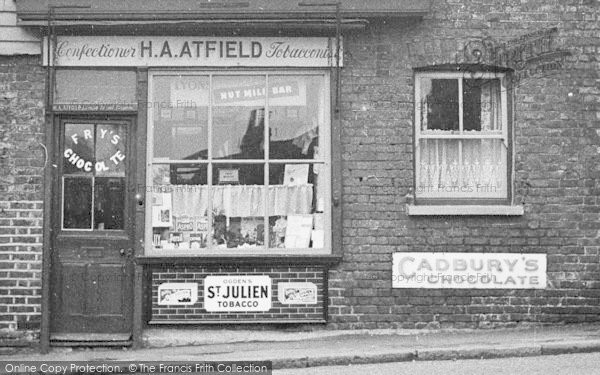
78 155
77 203
110 150
94 167
109 200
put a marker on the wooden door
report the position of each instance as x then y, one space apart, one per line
92 249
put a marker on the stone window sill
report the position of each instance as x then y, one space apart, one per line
464 210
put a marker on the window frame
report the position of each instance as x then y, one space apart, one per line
325 159
506 136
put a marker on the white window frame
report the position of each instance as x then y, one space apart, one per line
502 135
325 160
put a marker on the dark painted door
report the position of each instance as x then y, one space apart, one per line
92 281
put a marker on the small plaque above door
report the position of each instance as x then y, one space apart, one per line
84 90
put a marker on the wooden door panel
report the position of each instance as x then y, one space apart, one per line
92 272
109 297
72 277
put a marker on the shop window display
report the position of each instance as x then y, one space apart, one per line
240 163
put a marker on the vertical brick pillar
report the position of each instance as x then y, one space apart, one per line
22 88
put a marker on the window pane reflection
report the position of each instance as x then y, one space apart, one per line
481 105
109 202
180 108
439 104
238 117
77 203
297 110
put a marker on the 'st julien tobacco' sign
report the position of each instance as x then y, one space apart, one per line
237 293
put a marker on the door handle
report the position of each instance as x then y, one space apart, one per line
126 252
336 201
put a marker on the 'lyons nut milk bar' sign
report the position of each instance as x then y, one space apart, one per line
193 51
469 270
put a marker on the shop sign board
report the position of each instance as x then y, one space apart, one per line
192 51
237 293
469 270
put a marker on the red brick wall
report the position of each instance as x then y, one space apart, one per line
557 159
21 162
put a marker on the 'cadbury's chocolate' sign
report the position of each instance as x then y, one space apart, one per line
469 270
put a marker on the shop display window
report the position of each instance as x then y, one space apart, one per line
238 163
462 141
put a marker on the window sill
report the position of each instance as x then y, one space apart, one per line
464 210
239 259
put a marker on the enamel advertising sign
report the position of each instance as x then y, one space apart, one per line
184 294
193 51
237 293
297 293
469 270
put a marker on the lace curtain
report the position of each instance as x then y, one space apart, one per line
481 163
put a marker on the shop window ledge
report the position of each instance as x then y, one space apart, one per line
464 210
241 259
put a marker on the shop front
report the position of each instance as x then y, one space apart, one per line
384 164
207 171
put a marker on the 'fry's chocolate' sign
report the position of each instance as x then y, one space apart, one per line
469 270
94 149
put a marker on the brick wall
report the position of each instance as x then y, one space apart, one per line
21 163
557 167
278 313
557 162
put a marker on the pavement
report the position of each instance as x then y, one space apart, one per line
289 349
